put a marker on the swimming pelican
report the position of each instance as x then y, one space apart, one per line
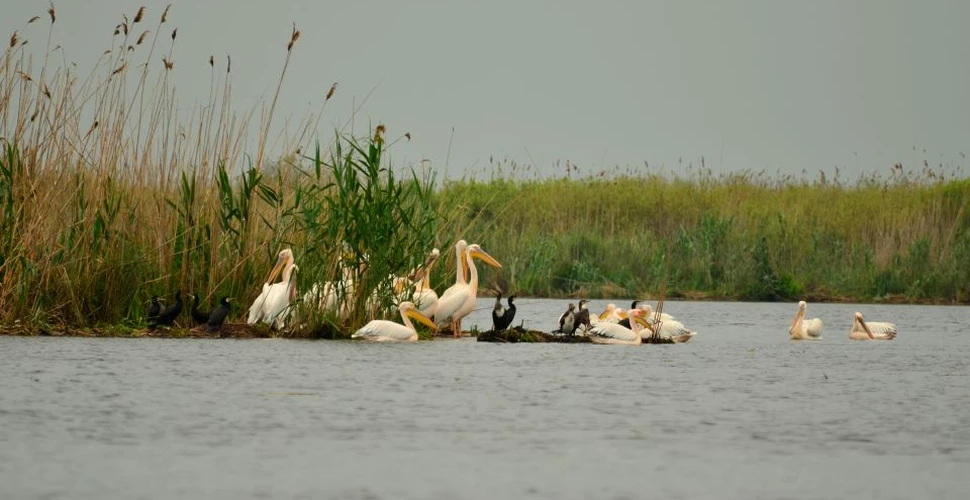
612 333
804 329
382 330
862 330
454 306
276 297
567 322
502 316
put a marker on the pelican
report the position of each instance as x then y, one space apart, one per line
461 301
609 315
276 297
861 330
502 316
337 296
382 330
567 322
460 280
804 329
423 296
649 310
669 329
612 333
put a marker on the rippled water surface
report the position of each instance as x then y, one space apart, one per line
738 412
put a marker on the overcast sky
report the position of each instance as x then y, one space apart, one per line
749 84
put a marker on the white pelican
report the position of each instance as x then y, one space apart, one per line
461 300
804 329
423 296
649 311
460 278
861 330
337 296
609 315
669 329
276 296
382 330
612 333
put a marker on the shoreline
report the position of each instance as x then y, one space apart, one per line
245 331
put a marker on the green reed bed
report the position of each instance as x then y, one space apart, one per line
732 237
110 194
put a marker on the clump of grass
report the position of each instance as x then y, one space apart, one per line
355 207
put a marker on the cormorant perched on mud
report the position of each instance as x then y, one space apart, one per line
168 315
501 316
153 310
567 322
218 315
200 317
582 316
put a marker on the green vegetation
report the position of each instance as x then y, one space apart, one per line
109 195
738 236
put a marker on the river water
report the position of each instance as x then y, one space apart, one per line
738 412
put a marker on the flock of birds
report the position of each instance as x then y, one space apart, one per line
418 301
811 329
165 315
415 297
614 325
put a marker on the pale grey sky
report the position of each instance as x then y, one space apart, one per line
750 84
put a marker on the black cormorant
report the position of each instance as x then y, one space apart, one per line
567 322
582 315
154 309
200 317
218 315
168 315
501 316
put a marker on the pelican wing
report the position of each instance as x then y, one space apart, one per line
812 327
882 328
612 333
673 328
256 310
382 330
451 304
426 301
